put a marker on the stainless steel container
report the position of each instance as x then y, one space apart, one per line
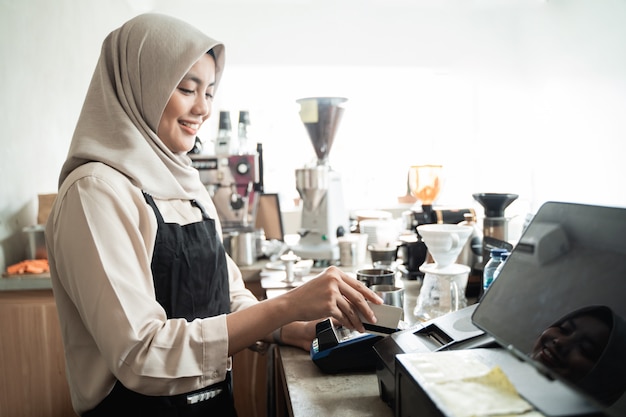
243 247
36 247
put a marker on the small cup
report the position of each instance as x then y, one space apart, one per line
391 295
376 276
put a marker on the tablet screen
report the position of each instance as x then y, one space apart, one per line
560 300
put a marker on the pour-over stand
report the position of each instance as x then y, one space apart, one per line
444 284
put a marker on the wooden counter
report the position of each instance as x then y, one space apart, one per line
32 381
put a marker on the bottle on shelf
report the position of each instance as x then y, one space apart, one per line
504 257
224 135
242 132
495 259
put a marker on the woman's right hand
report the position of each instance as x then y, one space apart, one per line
333 293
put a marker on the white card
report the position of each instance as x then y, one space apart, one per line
388 319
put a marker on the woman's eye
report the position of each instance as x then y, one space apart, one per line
185 91
209 96
565 329
590 351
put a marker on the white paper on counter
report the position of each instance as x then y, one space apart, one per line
466 387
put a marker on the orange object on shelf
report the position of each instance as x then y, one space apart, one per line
29 266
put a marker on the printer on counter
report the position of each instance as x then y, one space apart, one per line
571 259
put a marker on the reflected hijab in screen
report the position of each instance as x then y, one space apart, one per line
587 347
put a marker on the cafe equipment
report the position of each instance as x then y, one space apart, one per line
412 251
449 215
424 183
390 294
381 233
472 253
289 259
383 257
375 276
352 249
443 288
562 263
338 349
495 224
234 181
241 246
224 142
361 215
324 217
412 289
36 248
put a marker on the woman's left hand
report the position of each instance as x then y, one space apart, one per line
299 334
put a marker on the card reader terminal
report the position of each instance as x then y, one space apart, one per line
338 349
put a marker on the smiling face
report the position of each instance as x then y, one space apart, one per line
188 107
571 348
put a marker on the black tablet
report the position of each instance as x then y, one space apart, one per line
560 301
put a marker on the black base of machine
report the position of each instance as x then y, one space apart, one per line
449 332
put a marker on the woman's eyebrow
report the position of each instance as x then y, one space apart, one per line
196 79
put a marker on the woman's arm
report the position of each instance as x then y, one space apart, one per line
331 294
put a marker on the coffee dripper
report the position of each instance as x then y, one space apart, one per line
443 288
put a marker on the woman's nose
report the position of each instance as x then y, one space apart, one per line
562 344
201 106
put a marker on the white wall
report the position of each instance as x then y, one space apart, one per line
522 96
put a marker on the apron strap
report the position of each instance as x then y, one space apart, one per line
152 204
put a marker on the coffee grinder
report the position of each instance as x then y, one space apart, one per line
324 217
495 224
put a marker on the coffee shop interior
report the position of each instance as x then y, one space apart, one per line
367 122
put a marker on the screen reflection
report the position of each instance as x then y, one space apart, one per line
559 300
587 347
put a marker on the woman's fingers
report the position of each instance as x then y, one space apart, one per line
335 294
354 297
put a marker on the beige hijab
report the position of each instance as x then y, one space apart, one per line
140 65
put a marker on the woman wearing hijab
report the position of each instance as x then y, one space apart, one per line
151 307
587 347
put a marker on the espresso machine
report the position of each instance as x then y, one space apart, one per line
324 217
233 181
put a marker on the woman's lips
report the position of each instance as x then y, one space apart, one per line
549 358
190 127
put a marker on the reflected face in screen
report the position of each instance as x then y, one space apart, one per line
572 346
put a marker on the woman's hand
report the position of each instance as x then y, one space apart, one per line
331 294
299 334
334 294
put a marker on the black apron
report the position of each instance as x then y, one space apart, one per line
190 281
